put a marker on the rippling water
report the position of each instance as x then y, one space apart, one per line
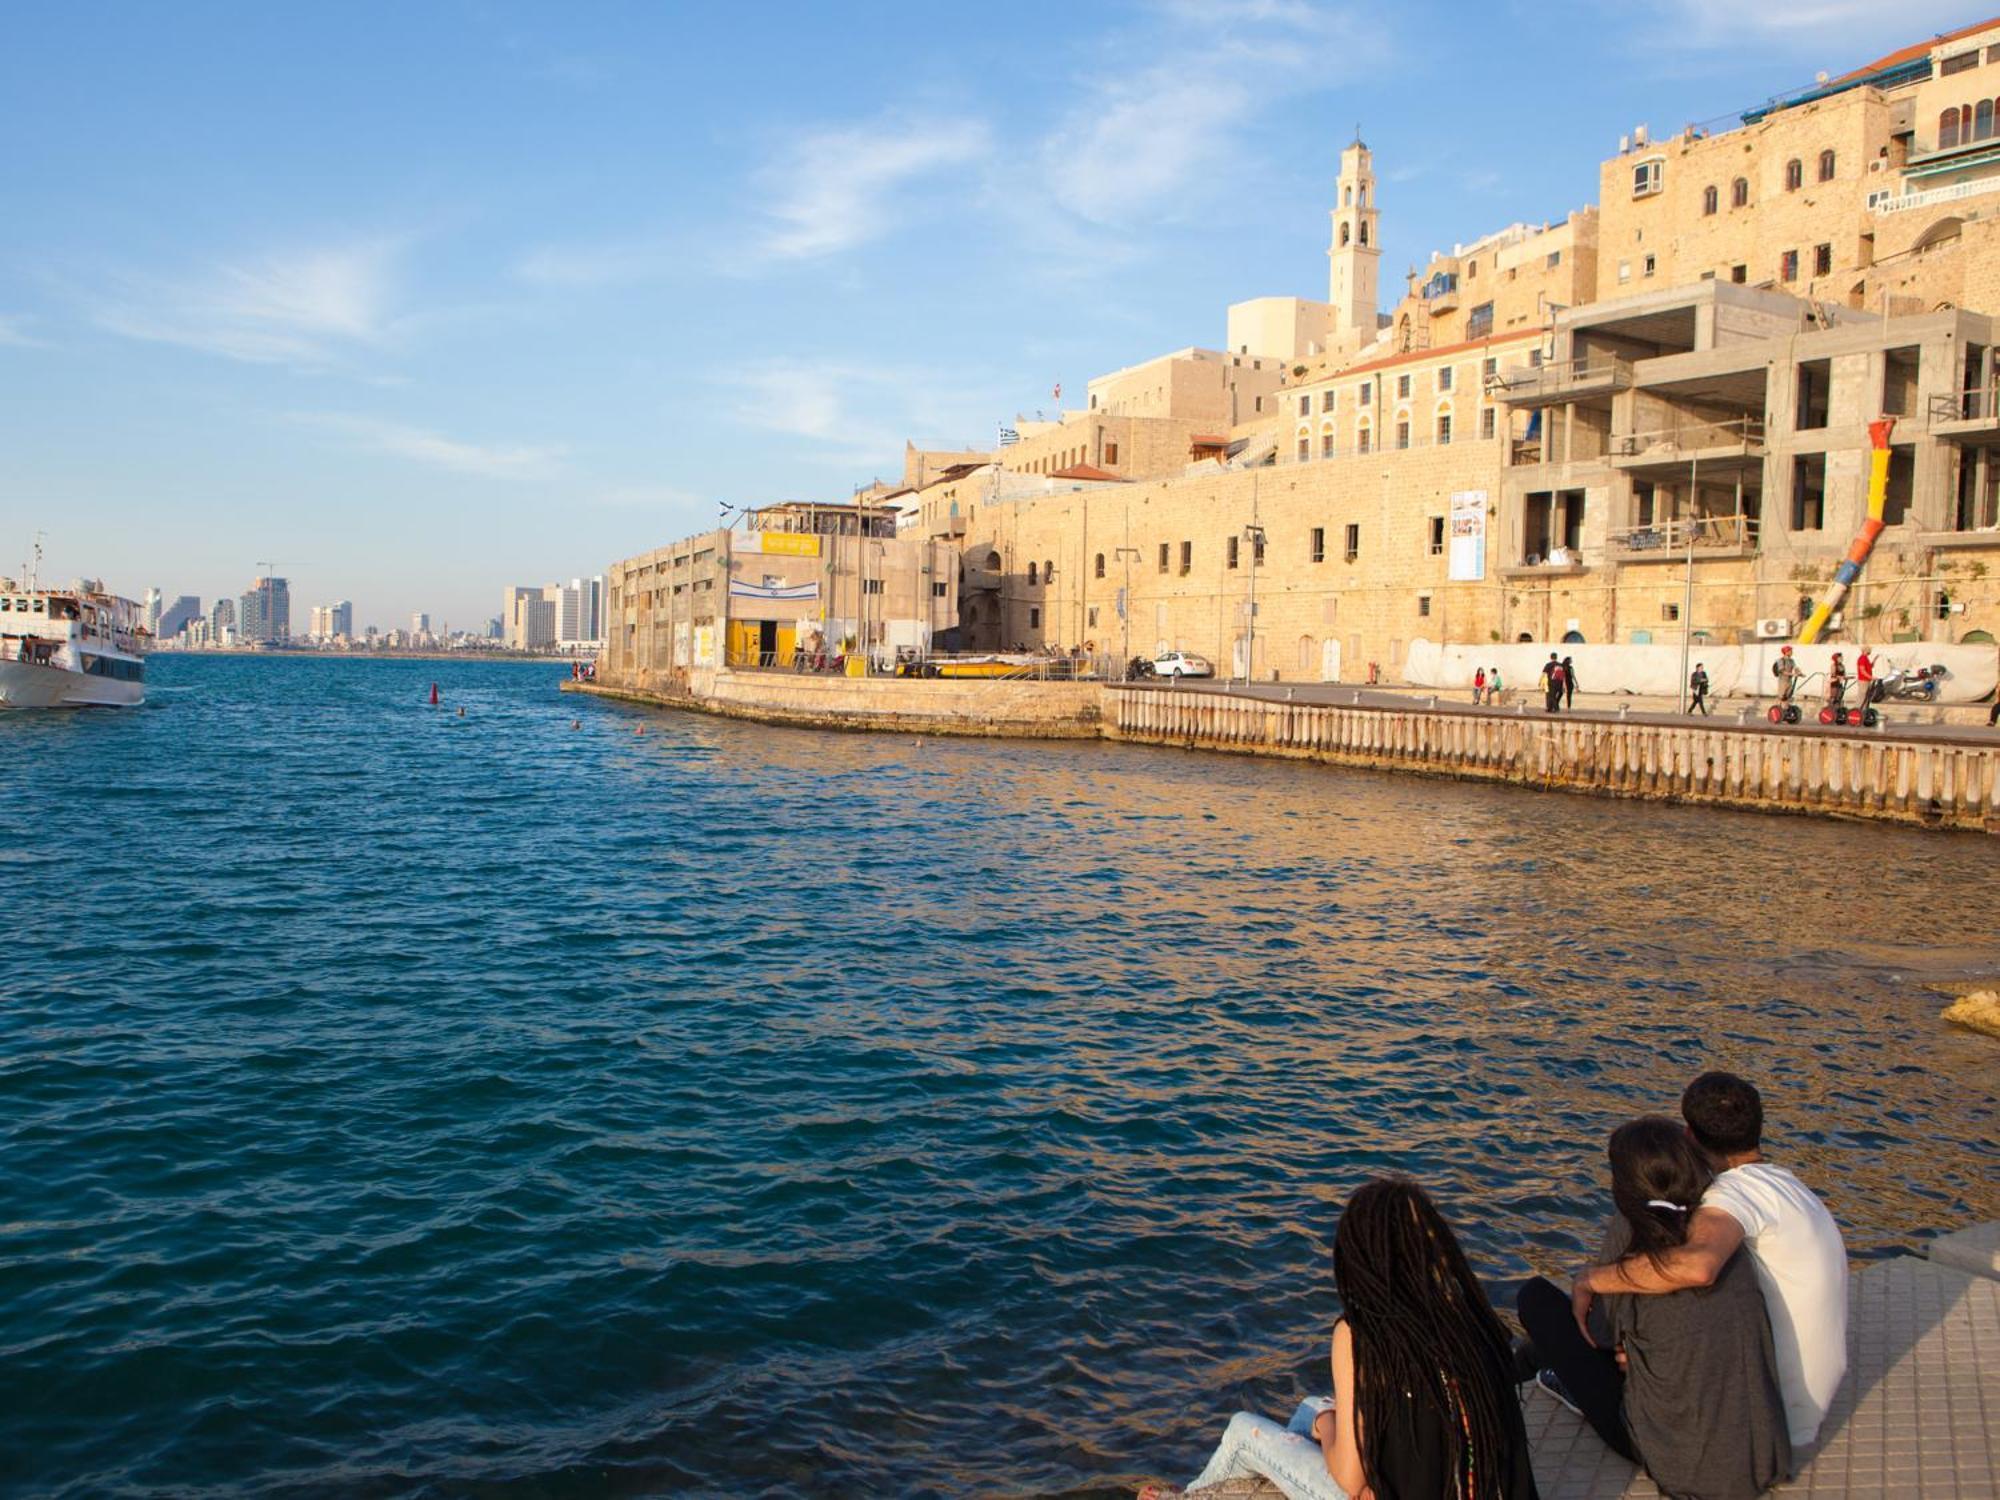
398 1103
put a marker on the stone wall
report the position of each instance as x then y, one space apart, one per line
1933 784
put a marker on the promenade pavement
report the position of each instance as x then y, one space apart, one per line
1909 720
1917 1418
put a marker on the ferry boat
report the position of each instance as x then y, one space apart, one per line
69 648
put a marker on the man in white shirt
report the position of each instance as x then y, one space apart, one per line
1793 1242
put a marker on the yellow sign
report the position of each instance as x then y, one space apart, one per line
789 544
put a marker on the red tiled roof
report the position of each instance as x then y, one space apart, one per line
1085 471
1208 440
1915 50
1412 356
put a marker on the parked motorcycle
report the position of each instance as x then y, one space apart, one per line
1921 683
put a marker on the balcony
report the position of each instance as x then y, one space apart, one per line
1970 416
1718 447
1593 377
1673 541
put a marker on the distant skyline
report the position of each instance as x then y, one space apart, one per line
422 302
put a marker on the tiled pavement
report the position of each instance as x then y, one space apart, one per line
1918 1417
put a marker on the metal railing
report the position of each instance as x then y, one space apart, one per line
1674 538
1561 380
1746 433
1979 403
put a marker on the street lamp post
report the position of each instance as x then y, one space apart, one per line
1126 554
1254 535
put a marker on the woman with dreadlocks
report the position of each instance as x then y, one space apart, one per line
1423 1399
1684 1382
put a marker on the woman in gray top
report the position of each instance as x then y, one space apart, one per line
1697 1399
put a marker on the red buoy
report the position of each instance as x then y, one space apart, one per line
434 695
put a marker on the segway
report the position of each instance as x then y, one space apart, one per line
1785 713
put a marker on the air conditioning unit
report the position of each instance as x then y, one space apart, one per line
1773 630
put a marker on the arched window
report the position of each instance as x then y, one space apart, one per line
1326 440
1826 166
1349 199
1364 233
1948 129
993 562
1363 436
1034 577
1100 565
1795 175
1048 572
1344 231
1307 653
1710 199
1982 119
1739 192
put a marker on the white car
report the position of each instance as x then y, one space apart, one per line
1182 664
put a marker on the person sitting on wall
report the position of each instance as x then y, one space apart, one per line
1423 1403
1800 1259
1685 1383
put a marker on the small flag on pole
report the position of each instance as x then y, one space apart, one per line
1009 435
1058 392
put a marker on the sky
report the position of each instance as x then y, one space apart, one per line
416 301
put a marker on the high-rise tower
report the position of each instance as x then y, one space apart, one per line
1356 251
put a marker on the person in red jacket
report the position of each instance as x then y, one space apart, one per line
1864 674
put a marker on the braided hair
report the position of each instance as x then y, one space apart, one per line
1425 1338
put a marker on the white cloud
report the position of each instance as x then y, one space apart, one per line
437 451
611 263
14 333
1837 34
855 416
838 188
306 308
1183 94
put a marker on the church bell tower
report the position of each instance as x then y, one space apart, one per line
1356 251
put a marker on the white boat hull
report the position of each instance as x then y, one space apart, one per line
32 685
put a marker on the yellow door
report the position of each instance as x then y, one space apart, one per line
788 642
743 643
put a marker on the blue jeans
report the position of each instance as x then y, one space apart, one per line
1287 1456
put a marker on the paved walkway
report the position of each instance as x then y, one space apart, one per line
1918 1415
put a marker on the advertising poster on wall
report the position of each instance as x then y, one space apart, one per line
1468 536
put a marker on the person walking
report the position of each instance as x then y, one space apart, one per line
1552 685
1479 686
1569 684
1698 690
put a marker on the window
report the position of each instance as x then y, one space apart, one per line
1739 193
1437 536
1353 548
1361 439
1555 259
1964 62
1624 270
1809 492
1187 558
1815 375
1670 611
1402 387
1034 576
1163 557
1444 428
1364 231
1305 447
1710 199
1795 175
871 585
1479 322
1948 129
1444 378
1099 565
1093 617
1739 274
1982 120
1403 434
1230 549
1652 265
1826 165
1305 406
1788 266
1326 443
1034 618
1822 260
1110 454
940 590
1257 546
1648 177
1326 399
1488 368
1367 392
1488 422
1423 604
1319 544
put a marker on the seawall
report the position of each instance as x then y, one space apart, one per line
1933 782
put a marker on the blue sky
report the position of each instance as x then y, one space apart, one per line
419 300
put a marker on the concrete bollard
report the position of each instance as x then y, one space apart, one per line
1624 710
